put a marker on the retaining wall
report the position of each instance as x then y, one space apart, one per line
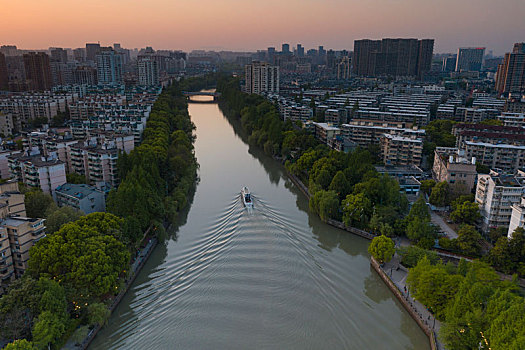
428 331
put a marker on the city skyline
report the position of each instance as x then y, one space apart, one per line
230 25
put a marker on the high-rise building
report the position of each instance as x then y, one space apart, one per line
261 77
79 54
424 61
393 57
285 48
148 70
85 76
270 53
59 55
92 51
511 73
299 51
343 68
4 78
470 59
449 64
38 70
109 67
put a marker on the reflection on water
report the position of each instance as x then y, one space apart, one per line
272 277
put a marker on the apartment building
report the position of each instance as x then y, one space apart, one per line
517 217
7 125
295 113
506 157
148 71
24 107
365 132
45 173
98 162
59 146
109 67
488 133
399 150
85 198
17 233
469 58
474 114
325 131
456 168
488 102
4 163
512 119
261 77
496 194
510 77
334 116
393 57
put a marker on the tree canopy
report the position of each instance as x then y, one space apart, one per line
382 248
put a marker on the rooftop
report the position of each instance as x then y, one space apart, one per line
76 190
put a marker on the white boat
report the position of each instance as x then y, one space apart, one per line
246 197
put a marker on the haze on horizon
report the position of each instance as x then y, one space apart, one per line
248 25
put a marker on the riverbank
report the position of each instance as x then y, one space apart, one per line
332 222
425 320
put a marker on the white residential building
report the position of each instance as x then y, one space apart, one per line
148 70
517 218
496 194
39 172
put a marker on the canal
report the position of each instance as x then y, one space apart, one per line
274 277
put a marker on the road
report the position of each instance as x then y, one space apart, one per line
438 221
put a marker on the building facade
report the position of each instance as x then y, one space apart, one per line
109 67
470 59
510 77
496 194
148 70
452 166
38 70
393 57
261 77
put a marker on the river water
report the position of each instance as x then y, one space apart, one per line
274 277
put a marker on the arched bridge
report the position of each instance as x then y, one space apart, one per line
214 94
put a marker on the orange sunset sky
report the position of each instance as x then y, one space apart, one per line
251 25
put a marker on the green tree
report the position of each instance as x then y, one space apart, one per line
86 255
419 210
74 178
432 285
466 213
38 204
98 313
61 216
421 232
357 210
325 203
496 122
18 307
469 240
427 186
508 255
382 248
440 195
48 329
20 344
340 185
482 169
